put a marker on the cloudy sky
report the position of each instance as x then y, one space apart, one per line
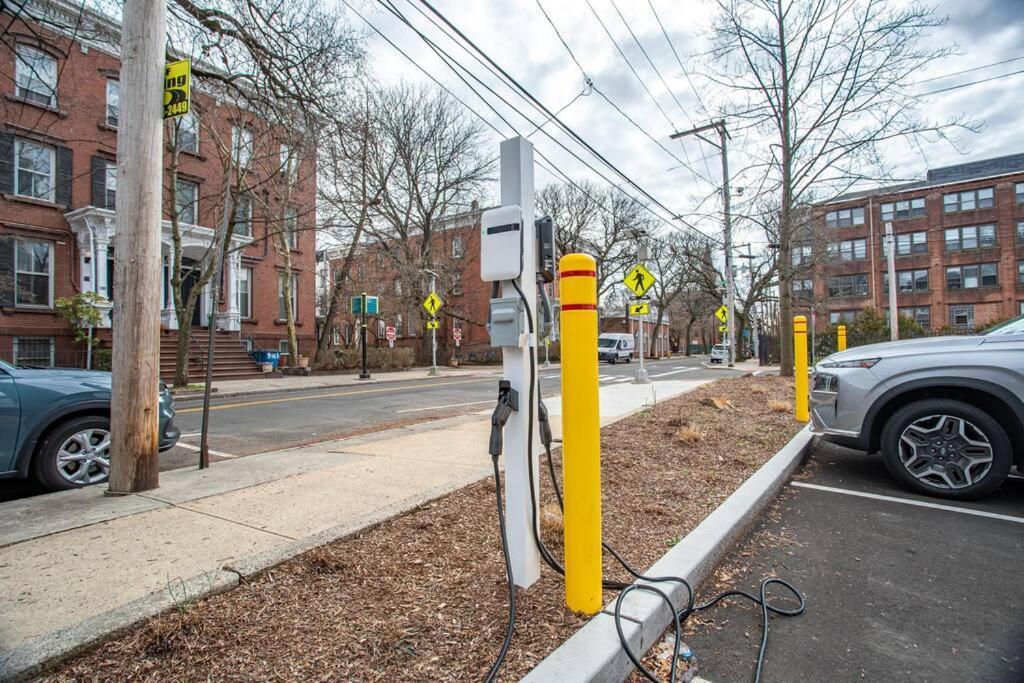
518 36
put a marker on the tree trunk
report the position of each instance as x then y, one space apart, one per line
689 335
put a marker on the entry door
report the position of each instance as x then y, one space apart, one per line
187 283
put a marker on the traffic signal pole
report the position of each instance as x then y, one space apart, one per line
134 415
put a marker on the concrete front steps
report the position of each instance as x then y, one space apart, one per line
230 359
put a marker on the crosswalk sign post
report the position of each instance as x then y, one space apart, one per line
432 304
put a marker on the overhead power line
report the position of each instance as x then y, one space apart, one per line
967 71
967 85
528 95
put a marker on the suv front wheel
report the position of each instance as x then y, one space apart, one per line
74 454
947 448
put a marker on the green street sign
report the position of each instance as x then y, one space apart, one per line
372 304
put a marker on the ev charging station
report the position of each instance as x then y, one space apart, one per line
508 258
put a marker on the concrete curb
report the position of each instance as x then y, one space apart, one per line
198 397
594 653
34 657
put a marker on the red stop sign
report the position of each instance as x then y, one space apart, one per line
390 333
457 334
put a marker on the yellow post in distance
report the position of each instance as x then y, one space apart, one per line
581 433
803 412
841 338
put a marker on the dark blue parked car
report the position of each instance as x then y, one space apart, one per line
55 425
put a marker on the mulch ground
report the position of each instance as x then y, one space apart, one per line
422 597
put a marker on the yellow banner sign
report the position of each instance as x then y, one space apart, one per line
640 309
177 88
433 324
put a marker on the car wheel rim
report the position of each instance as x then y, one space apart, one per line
84 457
945 451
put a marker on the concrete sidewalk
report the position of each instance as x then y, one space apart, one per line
78 565
268 385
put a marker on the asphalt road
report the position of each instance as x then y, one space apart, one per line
896 588
246 425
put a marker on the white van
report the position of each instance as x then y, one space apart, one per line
615 346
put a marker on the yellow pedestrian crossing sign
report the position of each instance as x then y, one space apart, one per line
639 279
722 314
641 308
433 324
432 304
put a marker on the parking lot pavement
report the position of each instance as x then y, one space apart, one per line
896 589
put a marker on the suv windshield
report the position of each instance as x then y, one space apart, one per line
606 343
1015 326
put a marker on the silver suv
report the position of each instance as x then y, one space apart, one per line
947 413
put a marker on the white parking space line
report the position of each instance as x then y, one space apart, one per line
550 376
906 501
183 436
450 405
673 372
212 452
622 379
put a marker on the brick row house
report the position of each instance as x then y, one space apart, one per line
959 248
58 190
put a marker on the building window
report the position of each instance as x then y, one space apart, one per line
33 351
33 273
1019 193
1020 272
113 101
291 226
908 243
335 336
247 344
186 132
289 164
845 217
922 315
801 254
910 208
245 292
972 277
1020 232
35 76
969 200
456 283
849 250
399 325
241 146
186 201
242 222
398 288
282 347
848 285
34 169
110 185
907 281
962 316
836 317
803 289
382 328
970 237
457 247
281 313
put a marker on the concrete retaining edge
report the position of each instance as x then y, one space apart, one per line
594 653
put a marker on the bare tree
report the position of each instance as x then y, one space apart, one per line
831 80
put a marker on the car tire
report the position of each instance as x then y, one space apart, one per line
74 436
629 359
612 360
952 449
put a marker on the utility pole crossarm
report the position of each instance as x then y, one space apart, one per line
699 129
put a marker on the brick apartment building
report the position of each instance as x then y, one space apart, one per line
959 248
456 253
58 186
622 322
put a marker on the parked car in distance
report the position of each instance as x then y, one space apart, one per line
719 353
615 346
946 413
55 425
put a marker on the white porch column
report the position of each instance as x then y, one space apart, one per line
102 276
169 312
230 319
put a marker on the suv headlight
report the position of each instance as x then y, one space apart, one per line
857 363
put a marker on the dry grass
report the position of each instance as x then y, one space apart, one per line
689 434
780 406
422 596
759 389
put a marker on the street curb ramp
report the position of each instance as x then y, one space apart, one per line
594 653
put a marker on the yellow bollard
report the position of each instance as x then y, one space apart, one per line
581 433
841 338
800 367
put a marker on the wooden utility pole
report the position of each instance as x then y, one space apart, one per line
894 312
134 463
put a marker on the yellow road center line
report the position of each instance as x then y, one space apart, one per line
379 390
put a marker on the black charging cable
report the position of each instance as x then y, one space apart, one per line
679 616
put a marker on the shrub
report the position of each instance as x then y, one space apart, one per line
378 359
